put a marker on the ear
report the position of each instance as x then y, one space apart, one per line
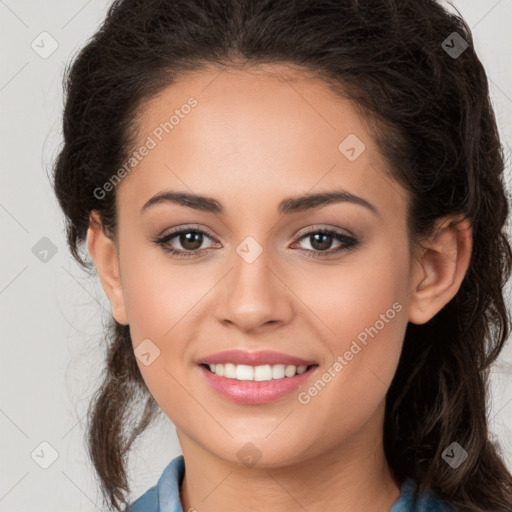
104 254
439 268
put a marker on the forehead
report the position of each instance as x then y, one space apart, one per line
255 134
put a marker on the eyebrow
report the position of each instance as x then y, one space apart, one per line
286 206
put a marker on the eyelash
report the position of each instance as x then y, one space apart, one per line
348 242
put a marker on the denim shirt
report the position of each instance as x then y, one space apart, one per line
165 495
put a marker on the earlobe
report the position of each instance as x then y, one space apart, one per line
440 269
104 254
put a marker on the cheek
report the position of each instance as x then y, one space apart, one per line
150 286
362 308
371 316
163 308
366 293
157 315
369 305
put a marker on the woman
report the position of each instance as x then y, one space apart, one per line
296 210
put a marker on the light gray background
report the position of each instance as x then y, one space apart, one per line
52 312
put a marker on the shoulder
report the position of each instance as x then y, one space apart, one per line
427 501
165 495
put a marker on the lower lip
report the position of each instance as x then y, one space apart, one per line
256 392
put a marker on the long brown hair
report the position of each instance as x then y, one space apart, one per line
427 103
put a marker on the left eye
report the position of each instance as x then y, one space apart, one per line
323 239
191 240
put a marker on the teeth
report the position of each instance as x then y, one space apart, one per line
257 373
278 371
244 372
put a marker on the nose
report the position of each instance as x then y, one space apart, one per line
253 296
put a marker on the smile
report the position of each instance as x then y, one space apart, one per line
257 373
248 389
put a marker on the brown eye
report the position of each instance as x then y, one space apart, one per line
190 240
184 243
187 242
321 240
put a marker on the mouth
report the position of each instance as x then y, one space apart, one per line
262 373
247 384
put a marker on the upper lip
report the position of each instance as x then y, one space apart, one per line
254 358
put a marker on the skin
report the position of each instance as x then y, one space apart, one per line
257 136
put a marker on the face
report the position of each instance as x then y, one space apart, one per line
255 270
